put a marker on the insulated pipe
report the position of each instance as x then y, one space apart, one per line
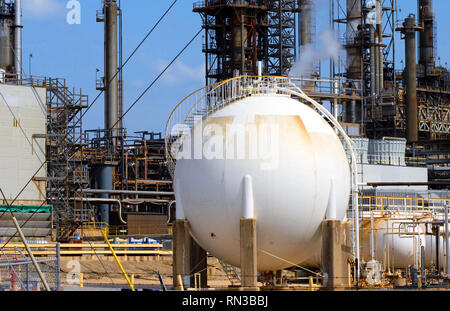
18 39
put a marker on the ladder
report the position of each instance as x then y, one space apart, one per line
231 272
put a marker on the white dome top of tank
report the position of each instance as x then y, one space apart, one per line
291 153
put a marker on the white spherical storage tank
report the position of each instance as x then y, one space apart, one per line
292 155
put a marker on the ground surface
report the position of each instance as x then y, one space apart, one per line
104 274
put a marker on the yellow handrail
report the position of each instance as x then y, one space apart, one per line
118 261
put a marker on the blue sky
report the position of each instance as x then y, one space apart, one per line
75 51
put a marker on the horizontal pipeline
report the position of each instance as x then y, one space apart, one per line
96 191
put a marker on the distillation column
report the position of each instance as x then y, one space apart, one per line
354 53
426 36
412 124
111 77
104 171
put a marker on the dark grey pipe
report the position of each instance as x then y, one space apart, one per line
412 127
104 182
111 77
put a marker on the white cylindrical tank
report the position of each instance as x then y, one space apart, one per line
291 154
398 244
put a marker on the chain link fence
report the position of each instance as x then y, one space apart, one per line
18 273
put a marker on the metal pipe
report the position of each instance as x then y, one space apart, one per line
437 235
103 200
412 129
372 238
242 45
354 53
111 79
426 35
304 24
127 192
18 39
373 63
447 246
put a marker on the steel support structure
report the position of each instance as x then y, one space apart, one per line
238 35
366 29
282 33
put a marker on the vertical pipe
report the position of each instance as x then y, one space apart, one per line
437 233
111 78
335 103
447 246
104 182
242 45
18 39
354 53
426 35
58 267
412 130
379 28
372 238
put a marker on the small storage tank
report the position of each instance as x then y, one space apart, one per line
292 154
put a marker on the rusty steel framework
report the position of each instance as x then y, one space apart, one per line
367 33
370 45
238 34
282 36
140 179
66 172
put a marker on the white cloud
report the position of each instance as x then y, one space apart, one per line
180 72
42 9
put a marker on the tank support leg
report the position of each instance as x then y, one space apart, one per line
188 258
335 253
249 273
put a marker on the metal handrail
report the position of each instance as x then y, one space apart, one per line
402 204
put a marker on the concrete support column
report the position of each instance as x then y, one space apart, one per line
181 247
198 264
335 252
188 258
249 272
335 246
248 250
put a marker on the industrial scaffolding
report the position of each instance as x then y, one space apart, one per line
238 34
